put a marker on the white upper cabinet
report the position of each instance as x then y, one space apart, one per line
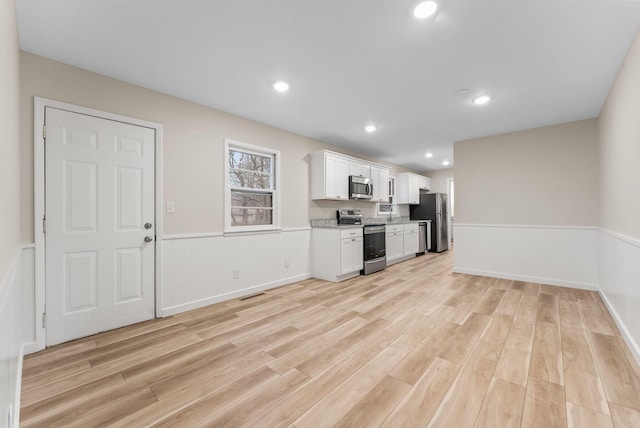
380 181
359 169
330 173
329 177
424 182
392 188
408 187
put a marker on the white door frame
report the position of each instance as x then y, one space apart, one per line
449 200
39 105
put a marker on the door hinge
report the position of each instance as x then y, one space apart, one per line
44 225
44 132
44 320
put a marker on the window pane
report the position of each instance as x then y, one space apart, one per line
251 162
244 199
249 180
251 216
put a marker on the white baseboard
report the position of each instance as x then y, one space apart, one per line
564 256
232 295
202 270
619 277
16 407
527 278
578 257
29 348
633 345
10 340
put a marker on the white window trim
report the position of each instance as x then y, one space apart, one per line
394 209
228 228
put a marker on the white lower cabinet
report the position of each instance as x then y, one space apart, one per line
402 241
411 239
351 255
337 253
394 242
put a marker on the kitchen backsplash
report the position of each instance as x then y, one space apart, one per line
328 222
327 209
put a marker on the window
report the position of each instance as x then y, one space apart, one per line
251 187
387 209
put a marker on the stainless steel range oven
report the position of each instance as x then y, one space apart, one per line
349 217
375 253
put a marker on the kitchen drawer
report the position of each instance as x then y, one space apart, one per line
394 228
411 227
352 232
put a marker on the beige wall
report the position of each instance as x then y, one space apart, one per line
619 137
193 146
544 176
10 144
439 179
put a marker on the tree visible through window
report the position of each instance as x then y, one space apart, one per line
251 180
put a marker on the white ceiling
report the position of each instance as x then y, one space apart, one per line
354 62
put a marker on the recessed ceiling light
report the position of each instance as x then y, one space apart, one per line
370 128
281 86
425 9
480 100
445 163
428 155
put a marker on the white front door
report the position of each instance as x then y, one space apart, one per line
100 224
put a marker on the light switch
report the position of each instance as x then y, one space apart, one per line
171 207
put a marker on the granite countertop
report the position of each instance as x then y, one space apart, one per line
333 223
337 226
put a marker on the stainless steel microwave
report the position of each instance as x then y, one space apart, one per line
360 187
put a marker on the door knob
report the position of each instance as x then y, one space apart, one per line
148 239
147 225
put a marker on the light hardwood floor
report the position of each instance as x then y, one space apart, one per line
412 346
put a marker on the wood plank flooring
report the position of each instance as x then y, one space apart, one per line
412 346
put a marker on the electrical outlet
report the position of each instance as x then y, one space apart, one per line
171 207
287 263
236 273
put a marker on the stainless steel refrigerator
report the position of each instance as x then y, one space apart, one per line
433 206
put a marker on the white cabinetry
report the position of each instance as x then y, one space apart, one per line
380 182
337 253
394 242
329 177
402 241
408 187
330 173
351 255
411 239
424 182
392 189
359 169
